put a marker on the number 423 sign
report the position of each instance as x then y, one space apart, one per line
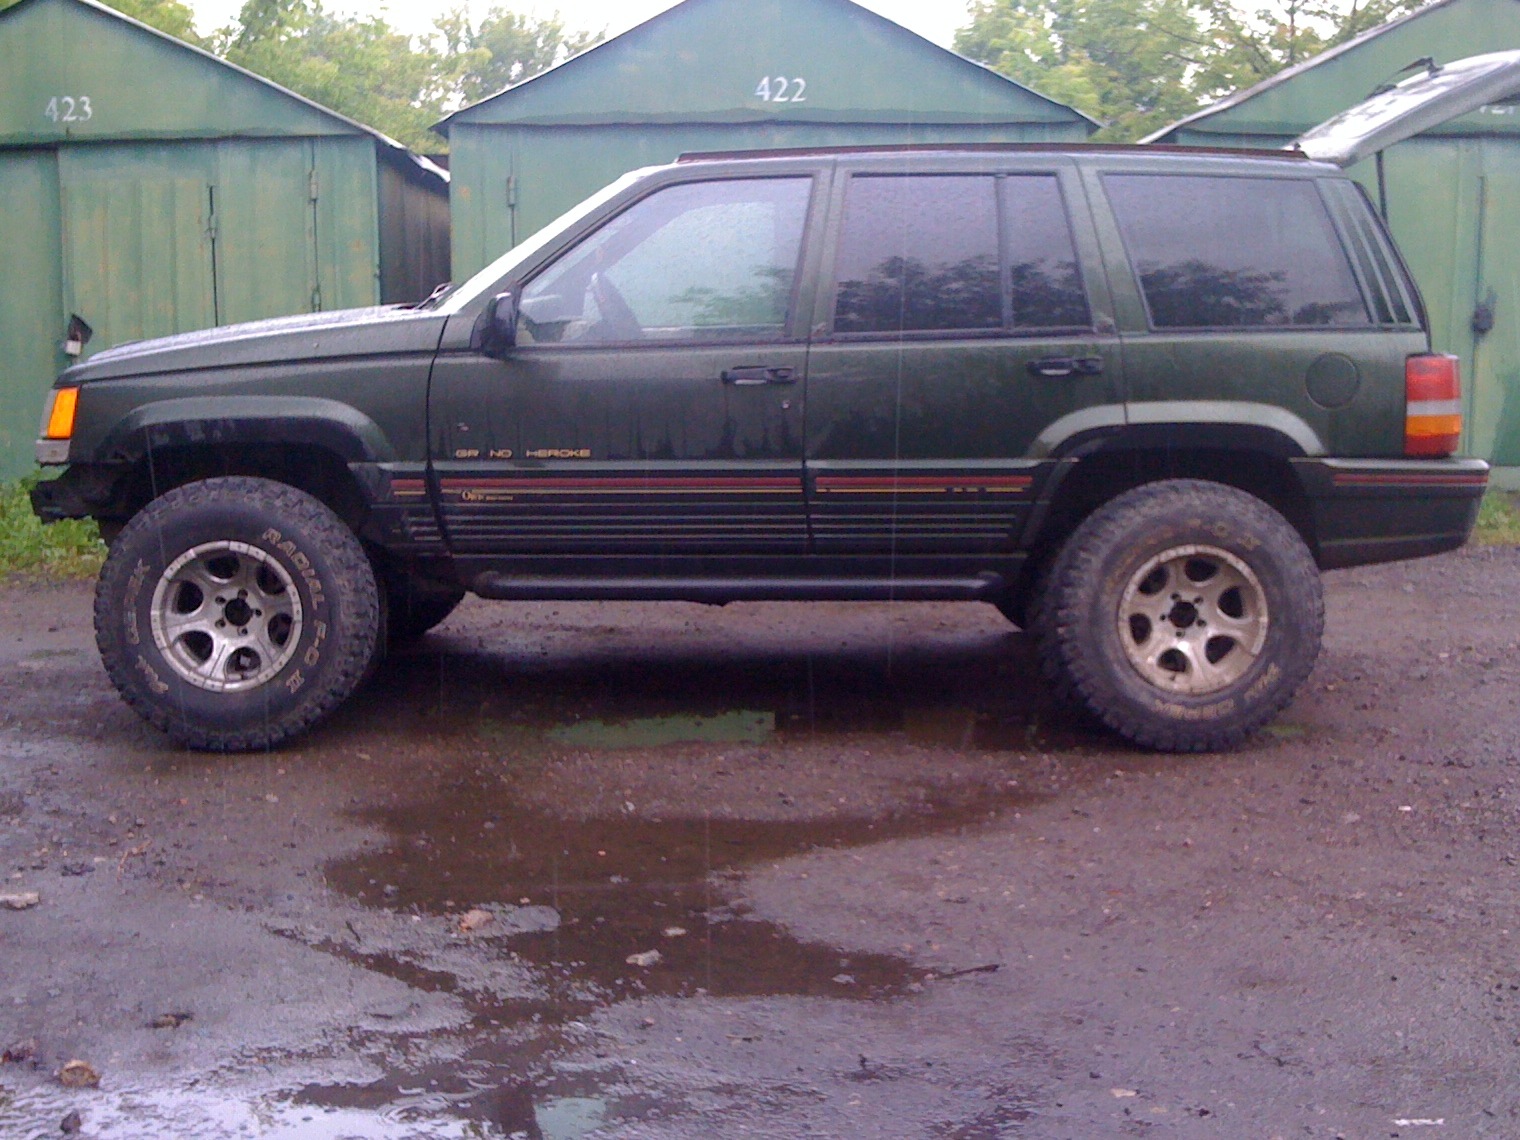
69 109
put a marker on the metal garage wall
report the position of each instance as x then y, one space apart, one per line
719 75
296 227
161 189
137 253
29 325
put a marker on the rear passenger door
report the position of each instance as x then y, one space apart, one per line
1242 304
963 333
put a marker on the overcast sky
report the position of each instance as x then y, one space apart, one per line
935 20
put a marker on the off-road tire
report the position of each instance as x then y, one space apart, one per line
235 613
1156 583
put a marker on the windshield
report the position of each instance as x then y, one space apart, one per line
486 279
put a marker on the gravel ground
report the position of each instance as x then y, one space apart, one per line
872 885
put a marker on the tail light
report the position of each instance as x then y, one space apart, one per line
1433 404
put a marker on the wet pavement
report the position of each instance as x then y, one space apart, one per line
814 870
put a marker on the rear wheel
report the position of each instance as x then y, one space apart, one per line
1183 614
234 613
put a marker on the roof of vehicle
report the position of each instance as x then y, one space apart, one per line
1070 148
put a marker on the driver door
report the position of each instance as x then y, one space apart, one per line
652 405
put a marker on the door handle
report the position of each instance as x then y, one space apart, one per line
1057 366
758 374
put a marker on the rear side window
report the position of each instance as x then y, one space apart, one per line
946 253
1220 252
919 254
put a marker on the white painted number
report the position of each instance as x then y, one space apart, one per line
780 89
69 109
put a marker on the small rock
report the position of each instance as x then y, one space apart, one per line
675 932
75 869
22 900
1123 1094
473 920
647 958
169 1020
79 1075
843 979
18 1052
71 1123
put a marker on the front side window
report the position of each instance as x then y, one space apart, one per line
700 261
1222 252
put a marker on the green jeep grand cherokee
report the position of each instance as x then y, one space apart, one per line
1135 398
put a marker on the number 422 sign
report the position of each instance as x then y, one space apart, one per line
780 89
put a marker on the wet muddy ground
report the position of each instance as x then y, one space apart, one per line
636 871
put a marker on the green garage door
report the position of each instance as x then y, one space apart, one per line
137 246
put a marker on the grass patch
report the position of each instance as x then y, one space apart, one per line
69 549
1498 520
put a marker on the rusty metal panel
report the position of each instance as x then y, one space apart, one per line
266 250
346 223
31 325
137 253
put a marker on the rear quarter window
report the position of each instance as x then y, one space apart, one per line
1211 251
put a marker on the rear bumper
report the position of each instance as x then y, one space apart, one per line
1382 510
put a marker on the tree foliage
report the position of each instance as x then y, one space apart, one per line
1137 65
169 16
365 69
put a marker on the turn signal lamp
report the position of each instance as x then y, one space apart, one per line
1432 405
60 417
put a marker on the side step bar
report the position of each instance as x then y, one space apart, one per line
507 587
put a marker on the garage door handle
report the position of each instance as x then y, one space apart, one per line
757 375
1055 366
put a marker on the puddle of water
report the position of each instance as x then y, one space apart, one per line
738 727
622 887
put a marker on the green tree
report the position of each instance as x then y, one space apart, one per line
1124 62
1137 65
504 48
1249 46
361 68
169 16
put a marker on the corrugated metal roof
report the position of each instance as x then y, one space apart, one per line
76 70
742 60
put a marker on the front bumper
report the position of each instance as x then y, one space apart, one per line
83 491
1382 510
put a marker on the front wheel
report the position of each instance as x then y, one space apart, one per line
1183 614
234 613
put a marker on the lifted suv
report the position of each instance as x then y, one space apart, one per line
1135 398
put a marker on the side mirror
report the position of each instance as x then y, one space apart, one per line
495 331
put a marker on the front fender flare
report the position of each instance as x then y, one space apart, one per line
223 421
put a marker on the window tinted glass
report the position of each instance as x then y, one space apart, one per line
918 253
703 261
1045 287
1222 252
